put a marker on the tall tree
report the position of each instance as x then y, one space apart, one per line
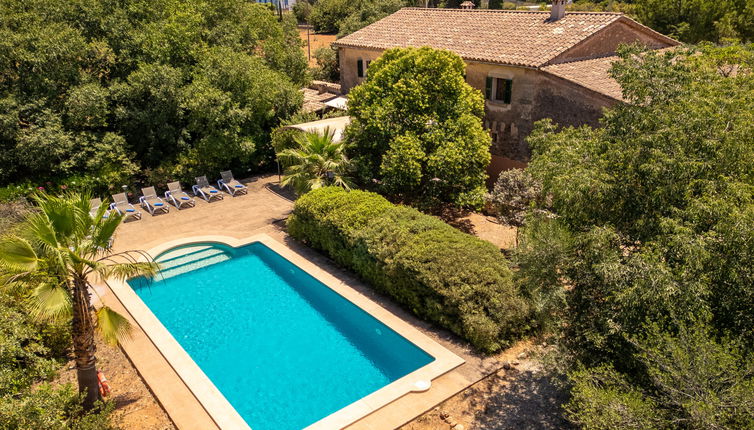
699 20
77 75
346 16
55 256
417 129
653 241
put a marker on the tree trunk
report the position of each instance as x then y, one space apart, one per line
84 347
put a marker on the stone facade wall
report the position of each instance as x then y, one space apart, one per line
535 95
348 71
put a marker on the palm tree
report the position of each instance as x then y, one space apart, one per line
315 161
52 258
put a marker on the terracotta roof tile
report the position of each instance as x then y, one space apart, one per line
314 100
522 38
591 74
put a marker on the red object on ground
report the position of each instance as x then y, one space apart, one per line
104 386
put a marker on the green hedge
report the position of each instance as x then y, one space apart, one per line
439 273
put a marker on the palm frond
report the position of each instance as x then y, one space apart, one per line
122 271
81 201
80 261
41 230
50 301
17 255
104 229
112 326
315 162
60 213
343 182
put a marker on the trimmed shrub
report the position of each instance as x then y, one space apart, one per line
440 274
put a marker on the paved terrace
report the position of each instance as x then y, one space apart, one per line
263 211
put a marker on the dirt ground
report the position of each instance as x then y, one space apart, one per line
521 397
487 228
135 407
317 41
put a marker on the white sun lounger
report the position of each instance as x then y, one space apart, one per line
94 205
179 197
231 185
205 190
152 202
120 204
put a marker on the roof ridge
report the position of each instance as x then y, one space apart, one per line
517 38
580 60
442 9
631 21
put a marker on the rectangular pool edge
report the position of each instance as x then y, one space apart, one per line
214 402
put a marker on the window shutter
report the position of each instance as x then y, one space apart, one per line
507 95
360 68
488 88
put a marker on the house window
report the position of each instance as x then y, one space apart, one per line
360 68
499 89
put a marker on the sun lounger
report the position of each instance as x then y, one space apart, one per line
120 204
205 190
179 197
95 204
230 185
152 202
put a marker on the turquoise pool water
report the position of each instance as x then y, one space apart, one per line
282 347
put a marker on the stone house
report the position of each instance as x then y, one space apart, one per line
530 65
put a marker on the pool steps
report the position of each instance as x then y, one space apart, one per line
183 251
194 258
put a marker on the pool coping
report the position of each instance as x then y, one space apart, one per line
215 403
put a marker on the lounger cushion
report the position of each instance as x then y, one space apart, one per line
130 210
239 186
212 191
158 204
185 198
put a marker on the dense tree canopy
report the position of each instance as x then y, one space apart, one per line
105 88
346 16
416 128
698 20
690 21
654 243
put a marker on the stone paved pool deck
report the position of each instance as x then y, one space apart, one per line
263 212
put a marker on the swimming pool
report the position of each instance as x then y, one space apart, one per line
284 349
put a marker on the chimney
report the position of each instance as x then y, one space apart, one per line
558 10
468 5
